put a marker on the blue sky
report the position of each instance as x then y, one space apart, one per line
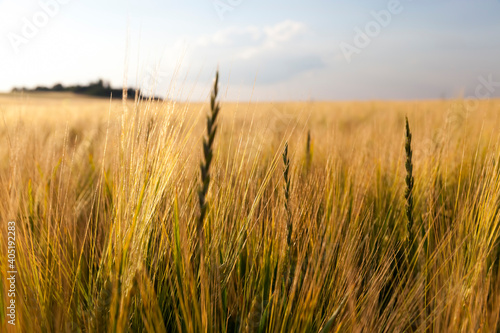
266 50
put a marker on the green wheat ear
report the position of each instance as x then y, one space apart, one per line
208 143
308 151
102 307
291 253
253 321
286 187
409 187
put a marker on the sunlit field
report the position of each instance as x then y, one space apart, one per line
303 218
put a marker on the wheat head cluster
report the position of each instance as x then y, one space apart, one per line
163 216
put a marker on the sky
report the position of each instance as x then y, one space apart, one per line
265 49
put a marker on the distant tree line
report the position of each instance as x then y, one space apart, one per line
98 89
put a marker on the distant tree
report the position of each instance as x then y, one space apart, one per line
58 87
42 88
98 88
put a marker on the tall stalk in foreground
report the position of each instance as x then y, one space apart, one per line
290 249
208 143
411 242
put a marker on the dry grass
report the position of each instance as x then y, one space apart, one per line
105 198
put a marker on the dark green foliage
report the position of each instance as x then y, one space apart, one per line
97 89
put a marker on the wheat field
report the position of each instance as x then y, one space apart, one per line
305 217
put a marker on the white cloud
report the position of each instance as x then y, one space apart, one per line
253 39
272 53
231 36
285 31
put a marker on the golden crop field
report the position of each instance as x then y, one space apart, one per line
284 217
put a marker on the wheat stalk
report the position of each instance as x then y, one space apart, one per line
208 143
